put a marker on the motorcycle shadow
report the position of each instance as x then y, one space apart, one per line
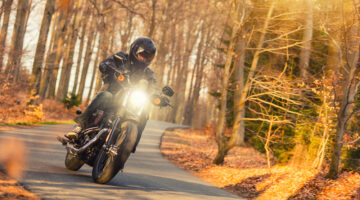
80 183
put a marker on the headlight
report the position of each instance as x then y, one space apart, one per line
138 98
135 101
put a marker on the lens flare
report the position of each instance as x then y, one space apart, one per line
138 97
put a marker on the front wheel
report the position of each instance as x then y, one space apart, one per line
107 165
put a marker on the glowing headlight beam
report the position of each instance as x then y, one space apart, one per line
138 98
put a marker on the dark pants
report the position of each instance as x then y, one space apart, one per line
102 102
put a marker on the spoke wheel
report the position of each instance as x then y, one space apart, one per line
108 165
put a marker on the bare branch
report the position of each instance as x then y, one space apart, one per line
352 142
286 34
267 120
276 106
131 10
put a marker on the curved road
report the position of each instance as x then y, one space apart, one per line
147 174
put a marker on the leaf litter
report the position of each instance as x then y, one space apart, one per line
246 174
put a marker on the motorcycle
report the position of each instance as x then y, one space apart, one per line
107 146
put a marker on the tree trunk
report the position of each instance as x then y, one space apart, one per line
241 104
160 65
253 67
220 127
200 63
350 90
125 37
163 46
153 17
199 78
307 38
41 45
179 74
223 149
61 46
188 108
50 57
17 40
81 50
4 29
87 59
173 49
98 82
344 114
238 129
198 70
334 61
210 110
63 87
95 69
104 44
182 77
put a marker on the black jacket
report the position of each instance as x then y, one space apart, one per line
121 62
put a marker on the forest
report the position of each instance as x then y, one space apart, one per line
281 76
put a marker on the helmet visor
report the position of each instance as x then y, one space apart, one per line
145 56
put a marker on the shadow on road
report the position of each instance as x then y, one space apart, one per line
64 180
147 174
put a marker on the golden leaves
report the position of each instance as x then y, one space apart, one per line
244 171
17 106
11 189
301 84
343 188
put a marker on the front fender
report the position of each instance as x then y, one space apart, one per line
127 136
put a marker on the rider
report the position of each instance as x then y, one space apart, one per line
142 52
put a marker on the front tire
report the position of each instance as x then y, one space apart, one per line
72 162
107 166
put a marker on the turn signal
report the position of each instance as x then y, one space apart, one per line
121 78
157 101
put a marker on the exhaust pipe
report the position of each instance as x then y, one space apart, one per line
74 150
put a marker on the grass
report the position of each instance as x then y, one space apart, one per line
36 123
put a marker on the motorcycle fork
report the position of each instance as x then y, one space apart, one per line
112 149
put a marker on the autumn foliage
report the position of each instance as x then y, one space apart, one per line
18 106
11 189
245 171
281 76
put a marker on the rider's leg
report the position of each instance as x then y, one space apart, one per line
141 126
101 102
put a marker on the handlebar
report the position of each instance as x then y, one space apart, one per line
164 101
161 101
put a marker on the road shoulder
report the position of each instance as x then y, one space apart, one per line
12 189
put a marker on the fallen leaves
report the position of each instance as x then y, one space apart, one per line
245 173
10 189
345 187
15 105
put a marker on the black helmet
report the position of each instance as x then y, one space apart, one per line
142 51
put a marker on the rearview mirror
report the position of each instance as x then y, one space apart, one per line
168 91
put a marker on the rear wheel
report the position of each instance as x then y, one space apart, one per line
72 162
107 165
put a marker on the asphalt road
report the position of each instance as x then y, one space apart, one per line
147 174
